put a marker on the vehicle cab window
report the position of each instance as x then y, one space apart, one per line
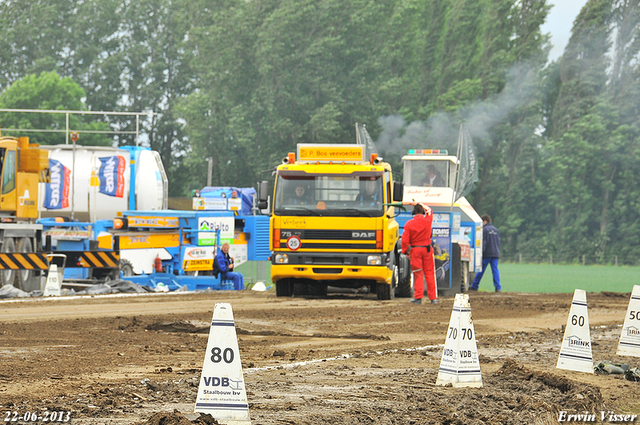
9 172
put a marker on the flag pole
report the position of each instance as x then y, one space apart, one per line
458 158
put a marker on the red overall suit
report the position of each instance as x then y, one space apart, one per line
417 234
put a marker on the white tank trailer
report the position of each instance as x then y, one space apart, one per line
102 182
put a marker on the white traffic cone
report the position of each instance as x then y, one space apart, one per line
629 344
52 287
221 392
575 352
460 365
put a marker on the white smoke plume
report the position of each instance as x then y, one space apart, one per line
440 131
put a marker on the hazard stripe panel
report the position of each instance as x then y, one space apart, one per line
39 261
93 259
23 261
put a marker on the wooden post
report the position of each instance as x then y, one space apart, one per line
550 258
210 171
520 258
616 260
583 259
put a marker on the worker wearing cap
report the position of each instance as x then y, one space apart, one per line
416 241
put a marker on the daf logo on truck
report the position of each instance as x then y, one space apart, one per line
363 235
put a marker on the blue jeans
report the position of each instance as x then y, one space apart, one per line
494 269
237 278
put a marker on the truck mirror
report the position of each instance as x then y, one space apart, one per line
263 192
398 191
262 205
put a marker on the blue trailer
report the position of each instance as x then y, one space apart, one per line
172 247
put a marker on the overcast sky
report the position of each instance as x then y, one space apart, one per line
559 23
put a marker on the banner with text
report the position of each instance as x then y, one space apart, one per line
111 175
57 191
208 226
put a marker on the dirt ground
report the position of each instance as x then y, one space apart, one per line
343 359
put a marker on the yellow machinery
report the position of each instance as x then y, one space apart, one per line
332 223
23 165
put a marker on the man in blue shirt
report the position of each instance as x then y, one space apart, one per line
490 253
225 264
369 198
300 196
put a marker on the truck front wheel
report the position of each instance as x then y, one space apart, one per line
284 288
405 288
386 291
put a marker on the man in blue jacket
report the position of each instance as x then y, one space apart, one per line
490 253
369 197
225 264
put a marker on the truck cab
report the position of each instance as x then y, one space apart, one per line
332 223
21 166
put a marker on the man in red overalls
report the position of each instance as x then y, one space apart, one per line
416 240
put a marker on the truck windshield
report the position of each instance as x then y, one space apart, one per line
429 173
329 195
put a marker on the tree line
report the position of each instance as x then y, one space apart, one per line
242 82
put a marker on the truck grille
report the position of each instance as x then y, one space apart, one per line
327 270
327 234
317 245
332 239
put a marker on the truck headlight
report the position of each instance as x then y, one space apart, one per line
374 260
282 259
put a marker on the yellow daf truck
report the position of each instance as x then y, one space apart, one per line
332 223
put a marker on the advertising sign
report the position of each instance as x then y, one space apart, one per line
57 192
441 241
111 175
326 153
198 258
209 204
207 227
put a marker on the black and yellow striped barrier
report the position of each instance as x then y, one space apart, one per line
23 261
95 259
39 261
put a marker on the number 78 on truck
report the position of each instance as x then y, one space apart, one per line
333 223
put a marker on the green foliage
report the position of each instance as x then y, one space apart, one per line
459 94
48 91
241 83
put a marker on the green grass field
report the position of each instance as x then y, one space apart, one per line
562 278
524 277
